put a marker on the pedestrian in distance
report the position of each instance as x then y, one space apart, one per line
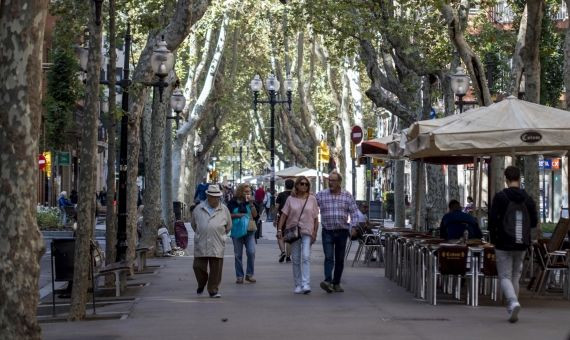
63 203
337 206
280 201
242 205
512 215
469 206
73 197
301 211
200 193
211 222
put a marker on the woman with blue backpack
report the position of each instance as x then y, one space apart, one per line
243 212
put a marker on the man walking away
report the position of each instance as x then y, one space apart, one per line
512 215
336 205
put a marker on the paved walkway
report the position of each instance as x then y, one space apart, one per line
371 308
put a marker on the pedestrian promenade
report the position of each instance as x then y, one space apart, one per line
371 308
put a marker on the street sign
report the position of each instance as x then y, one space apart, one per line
42 162
63 158
356 134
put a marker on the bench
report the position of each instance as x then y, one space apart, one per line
141 257
115 268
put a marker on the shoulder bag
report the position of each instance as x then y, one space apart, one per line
292 234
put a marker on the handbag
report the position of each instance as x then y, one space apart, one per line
291 235
239 226
251 226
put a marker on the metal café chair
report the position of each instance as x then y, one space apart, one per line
450 265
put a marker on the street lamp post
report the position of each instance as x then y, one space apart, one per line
123 154
459 85
177 103
162 62
272 85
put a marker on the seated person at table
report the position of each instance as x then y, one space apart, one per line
454 223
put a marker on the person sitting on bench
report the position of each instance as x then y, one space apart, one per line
455 222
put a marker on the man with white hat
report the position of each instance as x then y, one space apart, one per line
211 221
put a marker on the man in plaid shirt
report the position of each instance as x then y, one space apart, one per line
335 205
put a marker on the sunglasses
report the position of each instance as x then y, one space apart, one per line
304 183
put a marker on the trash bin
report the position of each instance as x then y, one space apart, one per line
63 251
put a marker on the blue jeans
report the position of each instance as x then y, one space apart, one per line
249 242
334 247
301 256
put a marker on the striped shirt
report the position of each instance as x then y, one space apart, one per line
335 209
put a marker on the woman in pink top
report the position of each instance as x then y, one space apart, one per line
306 217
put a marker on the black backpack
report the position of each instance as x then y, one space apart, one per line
516 223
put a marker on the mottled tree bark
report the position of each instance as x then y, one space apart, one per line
186 14
531 61
399 199
471 60
110 122
88 156
166 178
21 246
152 212
567 60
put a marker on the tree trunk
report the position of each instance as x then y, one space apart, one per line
436 194
399 201
470 58
345 164
198 112
186 14
152 201
356 94
418 196
86 205
166 178
21 246
517 68
567 60
531 61
111 216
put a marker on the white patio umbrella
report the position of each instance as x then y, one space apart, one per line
290 171
509 127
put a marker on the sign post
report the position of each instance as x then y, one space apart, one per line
356 137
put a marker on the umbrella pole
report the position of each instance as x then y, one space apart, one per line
480 191
474 182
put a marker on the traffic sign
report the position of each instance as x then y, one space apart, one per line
356 134
42 162
63 158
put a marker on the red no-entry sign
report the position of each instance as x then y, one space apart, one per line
356 134
42 162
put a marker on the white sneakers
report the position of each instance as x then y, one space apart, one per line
514 309
302 290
